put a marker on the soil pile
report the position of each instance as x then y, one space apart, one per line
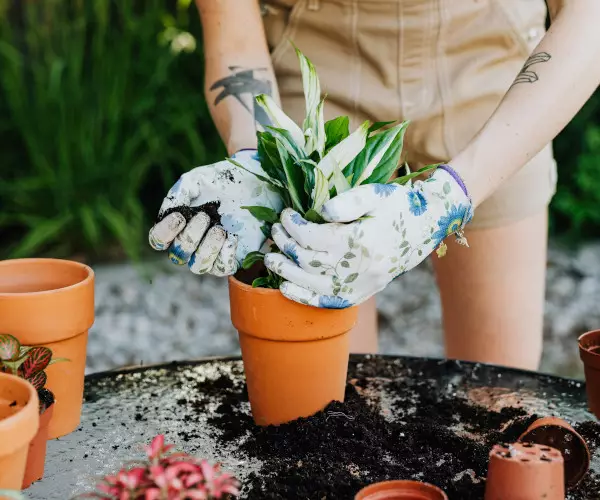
419 434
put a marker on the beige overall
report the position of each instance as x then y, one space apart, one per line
443 64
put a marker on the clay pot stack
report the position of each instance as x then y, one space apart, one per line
524 471
558 434
46 302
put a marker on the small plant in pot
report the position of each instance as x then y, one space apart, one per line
296 356
30 364
166 475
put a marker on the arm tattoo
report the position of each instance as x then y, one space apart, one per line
241 84
527 75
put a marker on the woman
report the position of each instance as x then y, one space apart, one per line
483 86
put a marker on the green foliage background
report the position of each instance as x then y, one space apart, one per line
99 114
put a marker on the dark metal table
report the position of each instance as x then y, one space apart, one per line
126 408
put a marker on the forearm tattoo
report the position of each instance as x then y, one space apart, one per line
527 75
244 85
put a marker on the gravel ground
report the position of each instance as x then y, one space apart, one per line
160 312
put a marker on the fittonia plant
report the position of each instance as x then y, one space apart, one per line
29 363
311 164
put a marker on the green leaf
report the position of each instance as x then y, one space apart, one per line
264 214
343 153
284 138
295 179
405 178
351 277
446 188
336 131
315 263
340 182
349 255
380 157
345 264
262 282
269 156
268 180
280 120
314 216
252 258
9 347
313 122
266 230
377 125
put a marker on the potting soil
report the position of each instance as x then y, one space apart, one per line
421 434
403 418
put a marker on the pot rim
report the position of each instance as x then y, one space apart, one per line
64 262
554 421
401 485
258 290
30 412
590 359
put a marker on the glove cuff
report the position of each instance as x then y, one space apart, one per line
456 177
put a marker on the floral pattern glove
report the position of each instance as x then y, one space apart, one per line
377 232
202 222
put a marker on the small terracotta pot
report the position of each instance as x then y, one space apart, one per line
524 471
295 356
401 490
50 302
555 432
19 421
589 352
36 458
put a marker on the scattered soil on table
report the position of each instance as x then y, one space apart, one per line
211 209
438 438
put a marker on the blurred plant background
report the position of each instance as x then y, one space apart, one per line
102 108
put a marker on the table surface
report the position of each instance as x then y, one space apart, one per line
126 408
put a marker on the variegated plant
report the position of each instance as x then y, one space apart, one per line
29 363
309 165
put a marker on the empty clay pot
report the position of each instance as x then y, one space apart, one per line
50 302
295 356
401 490
36 458
525 471
19 421
555 432
589 352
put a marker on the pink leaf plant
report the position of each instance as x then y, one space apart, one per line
166 475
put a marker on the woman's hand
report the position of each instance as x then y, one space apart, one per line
202 222
345 262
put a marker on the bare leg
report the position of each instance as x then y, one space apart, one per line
493 294
364 337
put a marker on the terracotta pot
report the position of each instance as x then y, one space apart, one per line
401 490
295 356
36 458
19 421
589 352
50 302
555 432
525 471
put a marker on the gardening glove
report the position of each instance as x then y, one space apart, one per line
202 222
377 232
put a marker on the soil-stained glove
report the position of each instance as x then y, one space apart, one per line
376 233
202 222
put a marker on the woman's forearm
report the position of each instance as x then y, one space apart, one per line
558 78
238 68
